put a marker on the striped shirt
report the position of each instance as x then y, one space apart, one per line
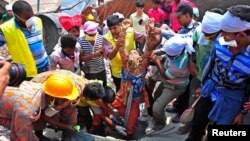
231 71
34 39
95 65
177 70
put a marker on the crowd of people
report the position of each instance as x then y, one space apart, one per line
67 90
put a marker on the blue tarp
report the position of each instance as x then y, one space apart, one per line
77 6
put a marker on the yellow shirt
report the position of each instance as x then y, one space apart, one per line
116 63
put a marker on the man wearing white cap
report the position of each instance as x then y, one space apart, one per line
226 76
92 52
175 76
9 15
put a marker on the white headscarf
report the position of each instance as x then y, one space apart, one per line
211 22
8 7
233 24
175 45
121 16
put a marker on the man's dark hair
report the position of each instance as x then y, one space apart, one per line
139 3
247 32
241 11
156 1
21 6
94 91
185 8
68 41
217 10
113 20
109 95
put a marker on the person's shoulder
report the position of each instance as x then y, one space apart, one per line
55 53
150 10
133 14
198 30
145 16
4 16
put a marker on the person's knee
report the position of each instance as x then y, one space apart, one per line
158 111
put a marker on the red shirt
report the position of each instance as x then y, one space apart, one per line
158 15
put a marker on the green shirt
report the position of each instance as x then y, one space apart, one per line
202 52
6 17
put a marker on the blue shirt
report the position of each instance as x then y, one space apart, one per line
229 78
232 71
35 42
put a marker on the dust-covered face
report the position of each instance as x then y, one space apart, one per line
133 58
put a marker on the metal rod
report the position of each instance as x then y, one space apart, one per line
38 6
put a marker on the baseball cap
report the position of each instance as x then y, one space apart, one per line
183 8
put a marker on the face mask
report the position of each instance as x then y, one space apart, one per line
30 23
231 43
90 38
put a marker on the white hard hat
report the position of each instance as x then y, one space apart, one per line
8 7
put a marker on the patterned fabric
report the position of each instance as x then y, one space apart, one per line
231 71
95 65
225 80
137 82
122 94
19 108
177 70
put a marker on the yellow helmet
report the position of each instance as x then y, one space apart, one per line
90 17
60 86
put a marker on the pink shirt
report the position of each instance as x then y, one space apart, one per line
174 22
58 59
158 15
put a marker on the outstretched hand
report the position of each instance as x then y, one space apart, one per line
153 40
